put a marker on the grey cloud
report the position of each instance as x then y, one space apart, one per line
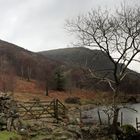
38 24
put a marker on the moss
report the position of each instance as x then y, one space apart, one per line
5 135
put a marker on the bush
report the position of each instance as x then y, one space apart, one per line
128 131
72 100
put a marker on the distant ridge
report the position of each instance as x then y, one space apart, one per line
80 56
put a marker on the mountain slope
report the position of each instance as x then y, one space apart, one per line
95 60
80 56
17 61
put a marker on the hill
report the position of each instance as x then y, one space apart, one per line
95 60
41 67
16 61
80 56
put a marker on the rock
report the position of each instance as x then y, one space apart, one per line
104 138
85 128
45 131
78 121
49 137
71 120
94 130
75 129
23 131
4 127
33 134
65 133
3 120
63 137
74 120
8 112
58 134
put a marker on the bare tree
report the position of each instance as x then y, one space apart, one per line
117 35
7 75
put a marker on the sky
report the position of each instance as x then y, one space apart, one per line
38 25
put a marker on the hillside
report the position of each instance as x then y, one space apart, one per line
16 61
95 60
82 57
41 67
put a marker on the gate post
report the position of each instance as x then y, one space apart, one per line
56 109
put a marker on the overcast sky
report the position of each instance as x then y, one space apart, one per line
38 25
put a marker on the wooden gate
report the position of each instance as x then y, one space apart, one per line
41 110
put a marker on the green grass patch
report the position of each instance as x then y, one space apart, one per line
5 135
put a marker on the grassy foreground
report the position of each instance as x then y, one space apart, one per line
5 135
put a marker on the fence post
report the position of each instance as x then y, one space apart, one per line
56 109
121 118
137 124
80 115
99 117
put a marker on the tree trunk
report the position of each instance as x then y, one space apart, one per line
115 120
47 93
29 71
116 111
22 72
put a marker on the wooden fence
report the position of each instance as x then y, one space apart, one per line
41 110
137 124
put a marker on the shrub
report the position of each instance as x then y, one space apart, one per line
59 80
128 131
72 100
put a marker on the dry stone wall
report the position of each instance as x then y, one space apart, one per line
8 112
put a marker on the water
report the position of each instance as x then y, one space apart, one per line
129 115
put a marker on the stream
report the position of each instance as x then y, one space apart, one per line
129 115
